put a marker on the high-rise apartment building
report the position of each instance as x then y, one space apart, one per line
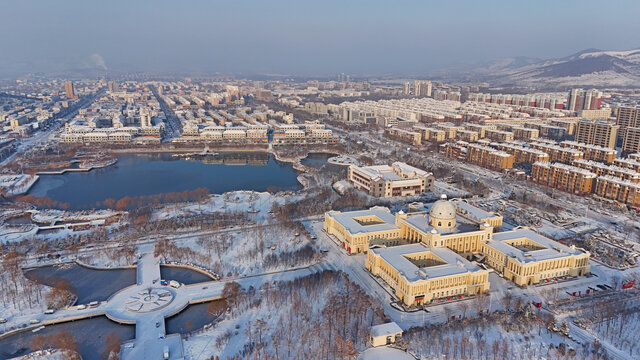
407 88
422 88
627 116
112 86
631 140
580 99
68 90
596 132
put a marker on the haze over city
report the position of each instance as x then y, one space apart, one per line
368 180
303 38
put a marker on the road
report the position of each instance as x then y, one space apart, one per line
173 127
41 137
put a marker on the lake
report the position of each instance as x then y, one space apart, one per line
182 275
194 317
150 174
87 284
89 335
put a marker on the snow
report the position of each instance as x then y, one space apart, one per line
259 203
51 354
384 353
17 184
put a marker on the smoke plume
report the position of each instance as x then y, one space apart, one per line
98 61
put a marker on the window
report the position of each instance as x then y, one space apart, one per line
439 223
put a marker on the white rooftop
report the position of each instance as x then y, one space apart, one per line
385 329
552 249
453 263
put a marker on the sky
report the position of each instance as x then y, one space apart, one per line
302 37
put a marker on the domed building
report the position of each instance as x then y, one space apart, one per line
442 214
428 253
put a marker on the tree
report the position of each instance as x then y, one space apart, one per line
506 300
231 292
64 340
447 312
113 342
216 308
39 342
463 306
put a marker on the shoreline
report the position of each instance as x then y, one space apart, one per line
300 169
64 171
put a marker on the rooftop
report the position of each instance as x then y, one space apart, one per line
347 219
385 329
550 248
474 213
397 257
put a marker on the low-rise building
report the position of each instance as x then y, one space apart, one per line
489 157
629 163
592 152
480 129
412 137
617 189
523 133
399 179
425 255
356 229
558 153
602 169
384 334
563 177
498 135
523 154
467 135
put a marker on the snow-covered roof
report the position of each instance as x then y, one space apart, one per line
472 212
396 256
385 329
552 249
384 353
346 219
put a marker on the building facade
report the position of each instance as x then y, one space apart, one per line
595 132
399 179
431 257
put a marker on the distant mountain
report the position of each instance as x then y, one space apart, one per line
591 67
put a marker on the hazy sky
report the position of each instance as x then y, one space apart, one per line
303 37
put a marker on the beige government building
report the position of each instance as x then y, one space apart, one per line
399 179
433 253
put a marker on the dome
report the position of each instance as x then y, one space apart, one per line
443 209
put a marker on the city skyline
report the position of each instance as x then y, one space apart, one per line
300 38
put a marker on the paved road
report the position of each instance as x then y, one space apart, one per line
173 126
44 136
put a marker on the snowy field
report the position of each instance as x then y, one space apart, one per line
323 315
17 184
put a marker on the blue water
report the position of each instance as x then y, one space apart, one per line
87 284
194 317
138 175
89 335
182 275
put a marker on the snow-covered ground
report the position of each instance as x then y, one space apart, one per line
258 203
250 250
503 336
293 319
17 184
52 354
